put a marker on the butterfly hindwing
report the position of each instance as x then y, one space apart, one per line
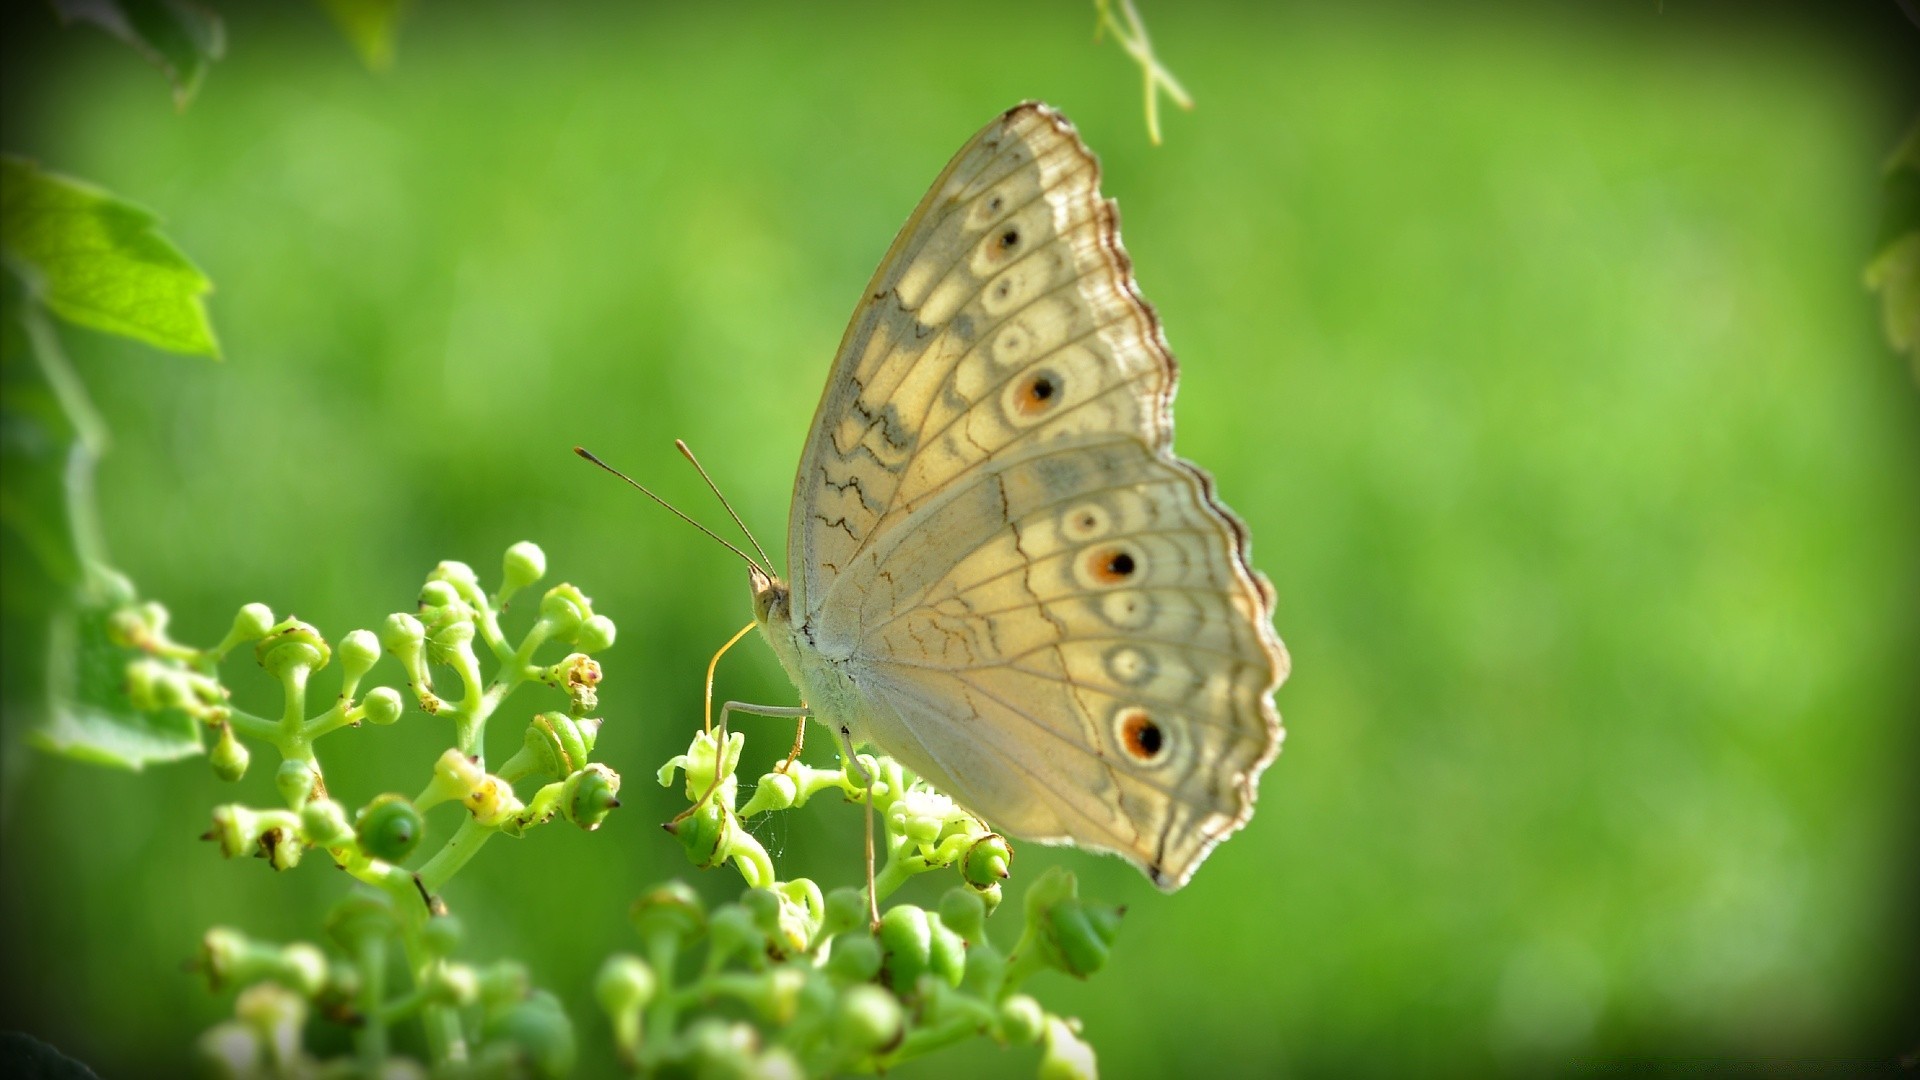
1037 606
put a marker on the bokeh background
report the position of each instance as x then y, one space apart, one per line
1530 340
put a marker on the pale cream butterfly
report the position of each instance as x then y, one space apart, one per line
1002 577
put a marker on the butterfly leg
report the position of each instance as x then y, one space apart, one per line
866 777
799 741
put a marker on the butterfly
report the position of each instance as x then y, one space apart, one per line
1001 575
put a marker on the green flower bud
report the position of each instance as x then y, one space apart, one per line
1073 935
986 970
359 651
1064 1056
302 969
775 791
1088 935
292 645
389 827
563 609
671 911
452 984
406 639
986 862
229 957
402 633
542 1032
590 795
718 1048
442 934
734 933
778 1063
359 918
439 595
868 1019
560 744
503 983
323 823
706 834
457 773
251 623
855 958
222 950
1022 1020
906 940
451 643
846 909
962 911
465 582
229 755
764 906
277 1015
595 635
138 626
946 953
232 830
524 564
382 705
298 781
625 984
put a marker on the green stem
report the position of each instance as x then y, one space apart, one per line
454 854
371 1037
293 736
258 727
1022 965
441 1023
327 722
891 876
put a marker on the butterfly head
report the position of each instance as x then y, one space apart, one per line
769 596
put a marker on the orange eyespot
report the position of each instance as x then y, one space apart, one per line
1141 736
1037 394
1112 565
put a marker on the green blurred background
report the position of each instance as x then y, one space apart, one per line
1530 341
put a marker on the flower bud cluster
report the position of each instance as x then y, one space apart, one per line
827 990
459 666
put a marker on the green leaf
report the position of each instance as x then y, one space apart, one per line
64 680
371 25
181 39
99 262
89 715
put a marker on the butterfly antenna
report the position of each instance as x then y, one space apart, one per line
715 488
588 454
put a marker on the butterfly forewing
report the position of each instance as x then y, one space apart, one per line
1037 606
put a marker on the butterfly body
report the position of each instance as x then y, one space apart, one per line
1002 577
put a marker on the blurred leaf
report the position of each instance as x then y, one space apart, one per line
98 262
64 680
23 1055
179 38
89 715
371 25
1895 269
